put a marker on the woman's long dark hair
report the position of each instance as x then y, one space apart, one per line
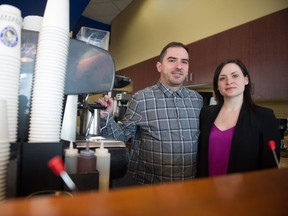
248 88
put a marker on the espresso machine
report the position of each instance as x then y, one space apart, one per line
90 71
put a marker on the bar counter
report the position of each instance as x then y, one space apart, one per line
254 193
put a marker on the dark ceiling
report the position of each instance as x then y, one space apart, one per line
37 7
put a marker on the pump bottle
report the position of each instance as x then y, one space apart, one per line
71 155
103 160
86 161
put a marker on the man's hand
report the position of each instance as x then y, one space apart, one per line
108 103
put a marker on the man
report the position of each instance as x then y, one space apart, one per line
162 122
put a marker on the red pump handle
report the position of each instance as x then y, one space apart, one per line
272 145
56 165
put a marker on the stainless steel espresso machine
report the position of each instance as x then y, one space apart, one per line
90 70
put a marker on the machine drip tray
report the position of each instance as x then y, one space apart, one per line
95 142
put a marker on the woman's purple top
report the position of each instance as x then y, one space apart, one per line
219 150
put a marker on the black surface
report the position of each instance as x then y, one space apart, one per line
34 173
97 106
206 97
282 126
121 81
85 181
119 162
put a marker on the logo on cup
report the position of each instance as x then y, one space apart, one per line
9 36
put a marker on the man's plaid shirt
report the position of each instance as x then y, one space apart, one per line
164 127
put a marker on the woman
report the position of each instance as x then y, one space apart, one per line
235 132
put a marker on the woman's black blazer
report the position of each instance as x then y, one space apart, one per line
249 150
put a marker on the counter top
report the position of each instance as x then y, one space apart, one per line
254 193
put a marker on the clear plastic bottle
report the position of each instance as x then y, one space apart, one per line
71 156
103 159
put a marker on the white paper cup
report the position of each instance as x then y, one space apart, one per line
10 26
4 135
32 23
5 8
57 14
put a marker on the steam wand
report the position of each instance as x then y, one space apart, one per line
57 166
272 146
91 110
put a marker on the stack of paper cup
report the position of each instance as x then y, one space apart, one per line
49 75
10 46
4 148
32 23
